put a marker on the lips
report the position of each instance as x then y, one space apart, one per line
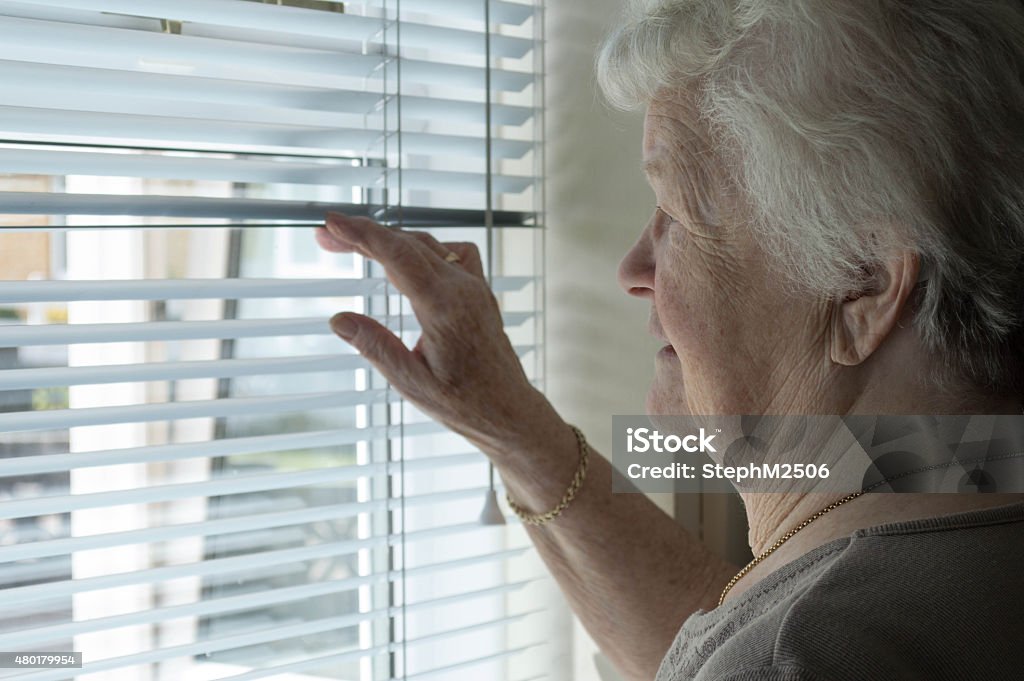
657 333
654 328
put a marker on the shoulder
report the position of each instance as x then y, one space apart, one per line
885 608
781 672
932 603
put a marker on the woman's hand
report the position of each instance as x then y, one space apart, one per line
463 371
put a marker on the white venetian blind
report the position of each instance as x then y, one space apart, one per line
197 479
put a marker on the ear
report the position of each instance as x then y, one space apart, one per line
864 319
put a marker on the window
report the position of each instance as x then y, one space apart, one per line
197 479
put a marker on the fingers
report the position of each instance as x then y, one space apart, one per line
429 241
469 256
351 234
382 348
408 263
329 243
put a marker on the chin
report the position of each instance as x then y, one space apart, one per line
666 402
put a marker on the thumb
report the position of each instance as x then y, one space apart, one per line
382 348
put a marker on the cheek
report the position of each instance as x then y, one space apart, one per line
707 318
694 305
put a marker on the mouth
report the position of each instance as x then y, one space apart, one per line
654 328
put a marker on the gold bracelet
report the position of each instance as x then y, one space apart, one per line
570 494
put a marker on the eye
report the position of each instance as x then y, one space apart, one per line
669 220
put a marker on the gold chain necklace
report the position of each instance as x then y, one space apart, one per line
782 540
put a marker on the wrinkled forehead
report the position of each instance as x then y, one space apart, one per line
682 164
672 123
675 134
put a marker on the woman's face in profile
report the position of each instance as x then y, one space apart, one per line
735 342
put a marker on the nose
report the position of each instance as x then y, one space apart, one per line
636 270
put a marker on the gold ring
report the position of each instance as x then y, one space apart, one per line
452 257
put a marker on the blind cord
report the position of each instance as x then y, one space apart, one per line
491 513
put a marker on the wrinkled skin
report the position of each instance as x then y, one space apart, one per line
463 371
742 345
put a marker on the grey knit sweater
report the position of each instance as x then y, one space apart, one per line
940 599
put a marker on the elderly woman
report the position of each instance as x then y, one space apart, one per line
839 229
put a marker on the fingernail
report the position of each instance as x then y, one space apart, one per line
343 227
344 326
339 220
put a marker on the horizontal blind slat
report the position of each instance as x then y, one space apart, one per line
77 88
440 672
435 636
268 635
229 134
50 42
300 22
513 13
339 172
22 508
20 379
305 664
228 604
252 543
56 547
48 377
29 225
236 446
22 291
41 203
55 290
59 419
342 621
16 335
328 659
216 566
132 50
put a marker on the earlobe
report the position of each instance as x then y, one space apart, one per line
842 342
864 319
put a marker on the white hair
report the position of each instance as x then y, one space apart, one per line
854 128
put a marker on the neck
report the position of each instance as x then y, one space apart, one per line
771 516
